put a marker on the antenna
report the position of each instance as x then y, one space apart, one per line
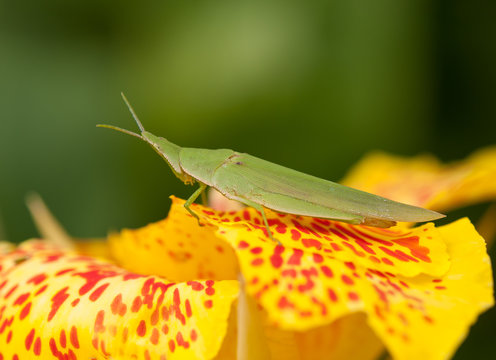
133 113
119 129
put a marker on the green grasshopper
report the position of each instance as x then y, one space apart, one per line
259 183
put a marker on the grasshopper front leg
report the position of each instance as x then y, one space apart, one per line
192 199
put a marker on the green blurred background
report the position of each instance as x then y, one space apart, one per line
311 85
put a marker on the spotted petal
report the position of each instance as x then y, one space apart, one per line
400 250
58 304
303 287
424 181
176 248
428 317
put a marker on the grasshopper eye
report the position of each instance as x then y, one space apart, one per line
239 163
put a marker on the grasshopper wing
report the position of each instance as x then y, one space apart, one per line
245 177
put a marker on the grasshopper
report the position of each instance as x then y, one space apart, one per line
259 183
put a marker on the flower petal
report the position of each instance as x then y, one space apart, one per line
429 317
337 341
252 342
333 341
176 248
61 304
303 287
424 181
399 250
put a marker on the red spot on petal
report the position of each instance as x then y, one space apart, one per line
25 311
131 276
327 271
29 339
317 258
10 292
281 229
289 273
94 342
300 227
295 259
353 296
374 259
74 337
37 346
350 266
63 340
355 251
37 279
208 304
188 307
319 228
347 280
243 245
256 250
285 303
295 234
155 317
116 304
92 278
412 243
99 327
195 285
98 292
276 258
136 304
332 295
155 336
141 330
72 356
65 271
57 300
42 289
257 262
312 243
387 261
53 347
124 335
210 291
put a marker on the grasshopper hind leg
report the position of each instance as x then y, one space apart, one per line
260 209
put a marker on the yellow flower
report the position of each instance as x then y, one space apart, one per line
60 304
174 290
424 181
